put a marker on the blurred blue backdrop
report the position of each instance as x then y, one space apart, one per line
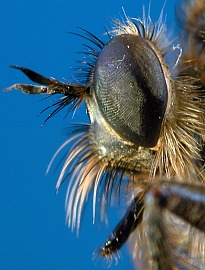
33 234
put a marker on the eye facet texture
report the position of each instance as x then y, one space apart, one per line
130 89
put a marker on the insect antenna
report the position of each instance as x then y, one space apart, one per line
73 94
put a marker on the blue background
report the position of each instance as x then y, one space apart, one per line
33 234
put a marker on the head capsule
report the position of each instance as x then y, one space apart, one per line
130 89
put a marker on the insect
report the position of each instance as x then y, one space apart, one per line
145 138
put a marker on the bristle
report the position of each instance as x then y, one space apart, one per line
108 259
88 172
192 19
192 15
179 146
154 32
91 53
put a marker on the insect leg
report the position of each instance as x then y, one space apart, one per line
184 200
159 256
122 231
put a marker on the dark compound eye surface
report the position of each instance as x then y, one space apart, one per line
130 89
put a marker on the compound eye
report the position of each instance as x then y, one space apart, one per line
130 89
